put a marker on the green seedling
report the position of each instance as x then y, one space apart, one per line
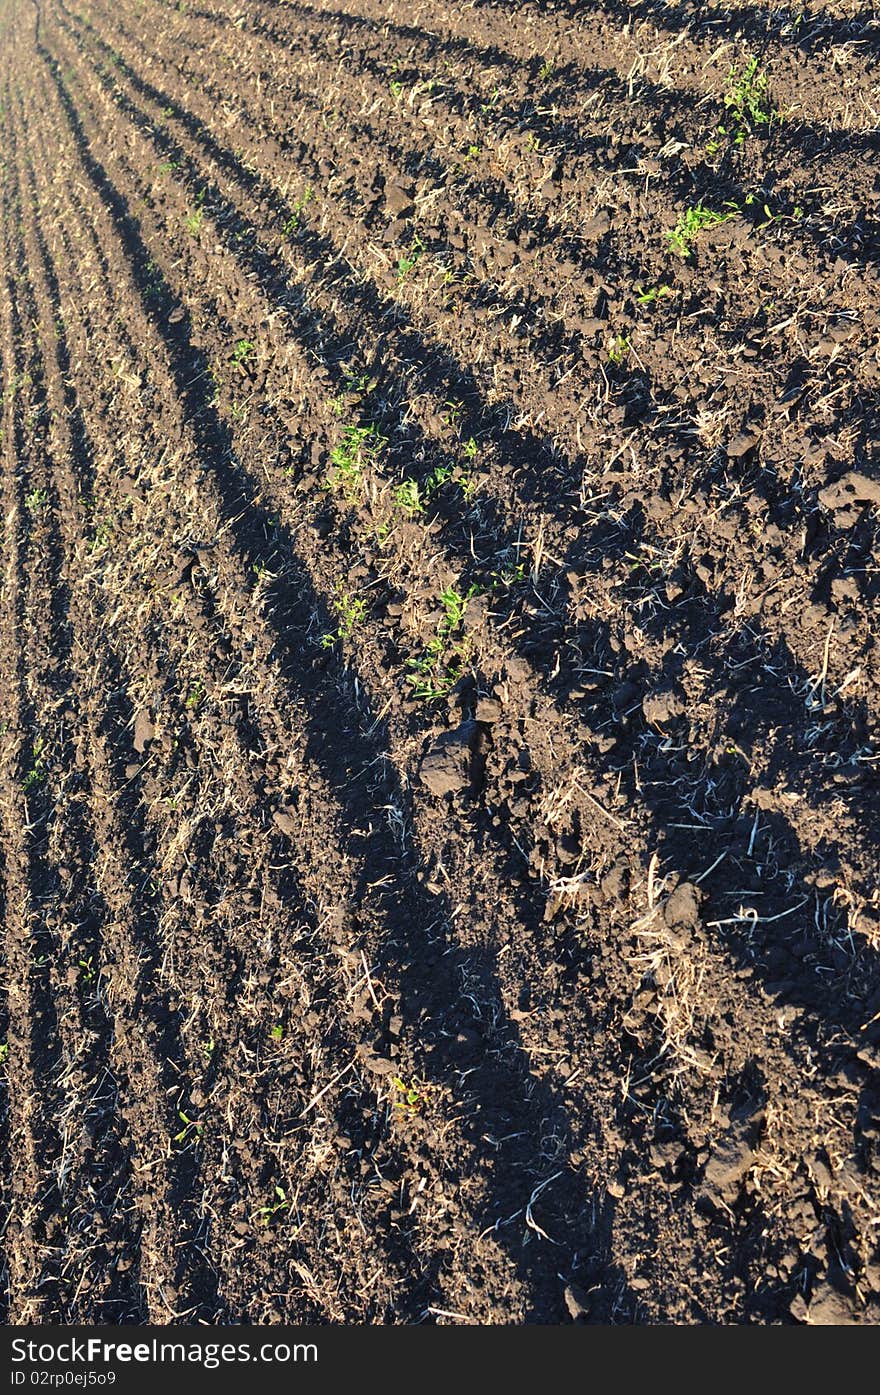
454 411
87 970
406 263
510 575
454 607
410 1098
436 672
618 349
36 499
546 70
196 696
747 105
267 1213
746 97
277 1032
408 498
751 201
351 612
208 1050
357 386
396 89
693 222
190 1126
293 221
242 351
643 562
4 1052
193 222
37 773
360 445
653 295
436 480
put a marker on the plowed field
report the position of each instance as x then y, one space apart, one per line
439 742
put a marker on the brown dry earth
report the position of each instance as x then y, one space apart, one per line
439 747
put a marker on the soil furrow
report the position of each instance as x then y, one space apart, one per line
33 1060
441 813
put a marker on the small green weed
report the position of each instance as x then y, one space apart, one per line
412 1097
37 773
351 612
193 222
243 350
196 696
747 104
357 386
293 221
693 222
653 295
746 97
409 259
408 498
266 1214
618 349
191 1128
436 672
360 445
87 970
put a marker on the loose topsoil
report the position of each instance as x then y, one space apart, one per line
439 739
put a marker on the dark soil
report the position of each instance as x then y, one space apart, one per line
439 746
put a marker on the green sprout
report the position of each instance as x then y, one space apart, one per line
87 969
242 351
653 295
747 104
618 349
196 695
746 96
193 222
359 447
408 498
693 222
410 1098
37 773
406 262
267 1213
351 612
293 221
190 1127
441 665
